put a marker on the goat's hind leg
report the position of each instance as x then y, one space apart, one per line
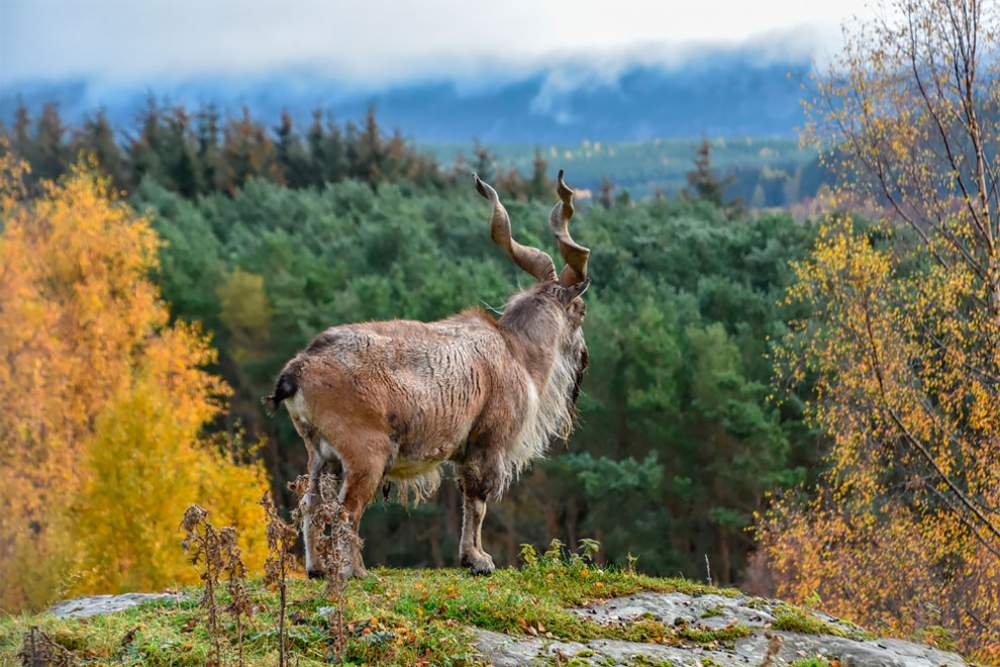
310 530
364 467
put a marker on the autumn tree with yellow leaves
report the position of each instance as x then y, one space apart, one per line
903 342
104 403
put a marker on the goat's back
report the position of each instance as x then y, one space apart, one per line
424 384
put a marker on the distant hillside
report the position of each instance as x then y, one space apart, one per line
761 172
720 94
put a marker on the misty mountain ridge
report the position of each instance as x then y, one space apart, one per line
726 94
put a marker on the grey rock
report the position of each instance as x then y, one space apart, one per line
707 611
507 651
710 612
864 653
704 611
98 605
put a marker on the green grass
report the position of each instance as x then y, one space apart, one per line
817 661
712 612
794 619
395 617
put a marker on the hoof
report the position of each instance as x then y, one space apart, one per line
478 565
481 570
316 574
354 572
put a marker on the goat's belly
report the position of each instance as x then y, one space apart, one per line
412 469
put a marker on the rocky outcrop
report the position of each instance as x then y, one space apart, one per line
97 605
770 643
765 646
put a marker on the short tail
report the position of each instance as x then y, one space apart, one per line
286 386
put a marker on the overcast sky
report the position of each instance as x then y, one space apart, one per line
384 41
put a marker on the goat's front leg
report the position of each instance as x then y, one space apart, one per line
471 552
475 488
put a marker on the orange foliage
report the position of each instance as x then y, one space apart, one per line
903 341
82 333
889 541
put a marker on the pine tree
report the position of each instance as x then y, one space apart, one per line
539 187
144 150
483 161
209 151
398 163
291 155
248 152
709 187
352 153
97 138
607 196
370 152
702 178
51 153
512 184
180 154
21 141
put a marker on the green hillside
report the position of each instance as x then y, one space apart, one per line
764 172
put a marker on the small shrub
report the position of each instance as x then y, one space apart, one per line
630 562
239 605
38 650
219 554
335 545
281 537
529 555
204 548
554 554
589 548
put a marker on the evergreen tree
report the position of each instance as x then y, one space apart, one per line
483 161
398 161
539 186
512 184
209 151
707 186
21 142
293 160
352 153
607 196
248 152
315 140
370 152
702 178
51 153
144 150
96 137
180 154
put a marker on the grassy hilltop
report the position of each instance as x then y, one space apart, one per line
393 617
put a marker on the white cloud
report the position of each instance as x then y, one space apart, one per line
373 42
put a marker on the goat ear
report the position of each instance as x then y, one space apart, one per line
567 294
